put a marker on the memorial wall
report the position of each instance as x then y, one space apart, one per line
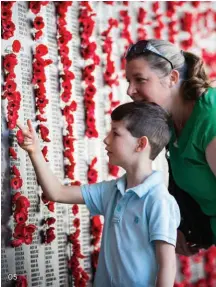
63 68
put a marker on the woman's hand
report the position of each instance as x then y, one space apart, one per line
183 248
31 142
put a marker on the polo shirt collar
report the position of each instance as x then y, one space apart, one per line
152 180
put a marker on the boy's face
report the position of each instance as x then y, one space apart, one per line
120 145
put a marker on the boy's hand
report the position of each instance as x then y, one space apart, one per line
31 142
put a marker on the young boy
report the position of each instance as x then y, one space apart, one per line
141 217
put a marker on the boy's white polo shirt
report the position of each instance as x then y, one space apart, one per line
133 219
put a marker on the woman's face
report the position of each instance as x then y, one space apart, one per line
145 83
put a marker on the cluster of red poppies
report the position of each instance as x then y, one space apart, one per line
80 276
158 28
8 27
125 20
10 87
209 267
22 233
210 61
38 22
109 74
88 52
141 20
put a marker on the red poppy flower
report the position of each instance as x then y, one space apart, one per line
38 34
22 202
10 61
44 199
16 242
89 69
8 26
65 96
91 133
30 228
12 153
20 137
50 221
90 90
16 46
15 171
40 118
50 236
41 50
44 131
10 86
64 50
16 182
38 23
21 217
75 209
113 170
6 14
35 6
51 206
7 4
92 176
76 222
89 51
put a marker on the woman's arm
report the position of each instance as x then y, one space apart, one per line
166 259
211 155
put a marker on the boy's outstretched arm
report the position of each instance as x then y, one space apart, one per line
166 259
50 184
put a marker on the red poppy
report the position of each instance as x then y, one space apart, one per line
41 50
10 61
44 152
75 209
16 242
92 176
65 96
6 14
35 6
22 202
88 51
44 131
38 34
76 222
44 199
50 221
38 23
20 137
50 236
21 217
16 46
12 153
51 206
16 182
113 170
15 171
10 86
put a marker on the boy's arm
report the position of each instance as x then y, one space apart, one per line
50 185
166 259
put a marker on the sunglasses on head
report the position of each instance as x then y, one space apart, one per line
142 47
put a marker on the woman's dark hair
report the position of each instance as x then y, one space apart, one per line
194 80
145 119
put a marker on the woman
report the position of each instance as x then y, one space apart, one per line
157 71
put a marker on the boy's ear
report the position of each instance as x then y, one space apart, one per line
142 143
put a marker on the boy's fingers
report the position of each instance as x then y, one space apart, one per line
29 123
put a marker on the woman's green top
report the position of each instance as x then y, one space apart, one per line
190 168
